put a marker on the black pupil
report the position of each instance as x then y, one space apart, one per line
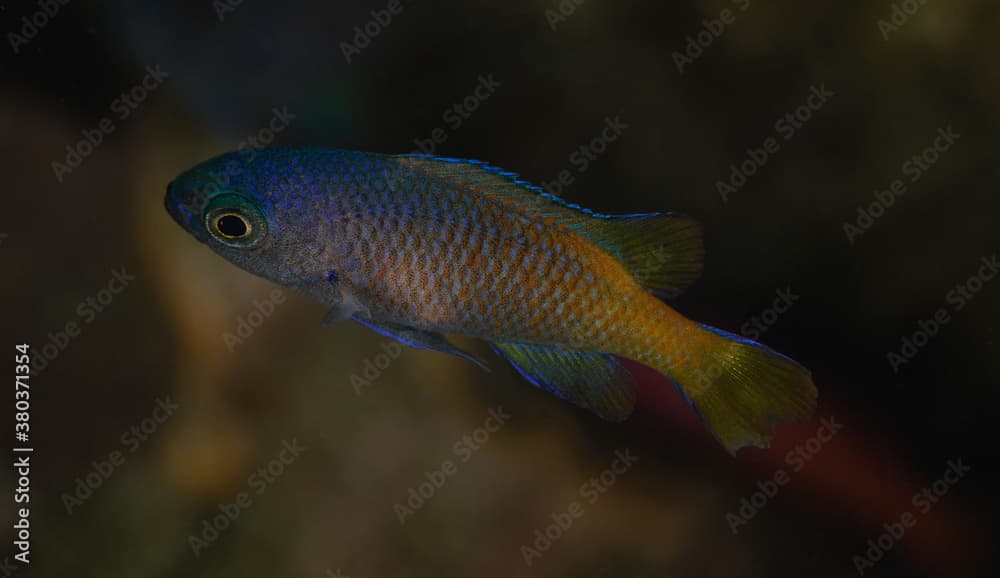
232 226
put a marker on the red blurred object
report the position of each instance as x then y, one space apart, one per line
852 478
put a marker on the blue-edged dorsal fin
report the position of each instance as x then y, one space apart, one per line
662 252
593 380
493 182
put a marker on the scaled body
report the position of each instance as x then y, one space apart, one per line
415 247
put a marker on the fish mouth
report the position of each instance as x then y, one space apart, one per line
176 204
170 202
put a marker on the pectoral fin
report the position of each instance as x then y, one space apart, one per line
346 309
419 339
593 380
344 306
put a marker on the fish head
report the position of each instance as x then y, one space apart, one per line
253 209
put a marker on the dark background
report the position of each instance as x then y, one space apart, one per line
333 508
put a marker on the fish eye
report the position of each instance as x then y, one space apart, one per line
234 221
233 226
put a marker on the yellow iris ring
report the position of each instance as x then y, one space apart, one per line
217 220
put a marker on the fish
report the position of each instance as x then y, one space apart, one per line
418 247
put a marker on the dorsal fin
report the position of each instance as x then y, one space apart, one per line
505 186
662 252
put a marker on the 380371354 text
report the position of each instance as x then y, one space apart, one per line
22 452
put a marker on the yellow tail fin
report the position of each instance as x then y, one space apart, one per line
741 389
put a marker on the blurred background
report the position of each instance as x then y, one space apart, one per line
188 421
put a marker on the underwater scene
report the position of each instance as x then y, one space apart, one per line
540 288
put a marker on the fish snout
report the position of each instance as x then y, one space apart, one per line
179 205
170 203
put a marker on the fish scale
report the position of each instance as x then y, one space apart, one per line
416 247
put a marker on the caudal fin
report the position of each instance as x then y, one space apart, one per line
742 388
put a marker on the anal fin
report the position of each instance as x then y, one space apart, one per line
593 380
